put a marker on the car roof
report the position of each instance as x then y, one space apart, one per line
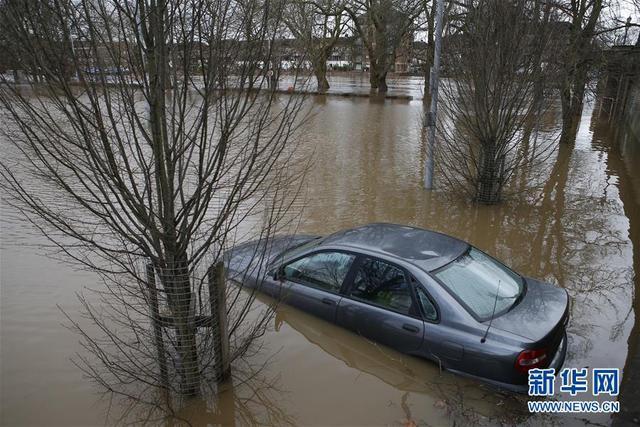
428 250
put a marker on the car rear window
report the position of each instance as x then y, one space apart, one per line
382 284
479 282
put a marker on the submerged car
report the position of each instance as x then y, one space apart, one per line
420 292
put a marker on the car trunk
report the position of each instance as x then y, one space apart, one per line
242 256
540 317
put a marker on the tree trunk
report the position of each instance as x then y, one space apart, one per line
378 75
572 100
574 87
382 83
274 78
373 72
174 268
181 302
429 53
427 73
579 88
489 183
382 59
567 117
320 71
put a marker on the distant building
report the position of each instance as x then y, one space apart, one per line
350 53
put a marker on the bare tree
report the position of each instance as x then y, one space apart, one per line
620 23
578 57
636 9
383 26
427 25
488 104
429 11
48 20
317 27
148 149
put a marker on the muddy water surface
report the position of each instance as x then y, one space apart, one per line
574 230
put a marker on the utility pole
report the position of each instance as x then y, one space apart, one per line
433 90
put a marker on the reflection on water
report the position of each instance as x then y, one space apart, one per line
409 388
576 229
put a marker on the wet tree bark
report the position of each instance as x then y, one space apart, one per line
373 69
572 99
323 83
382 82
320 71
381 68
378 73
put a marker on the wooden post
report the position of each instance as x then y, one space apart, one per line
219 330
157 326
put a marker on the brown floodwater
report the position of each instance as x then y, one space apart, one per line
577 228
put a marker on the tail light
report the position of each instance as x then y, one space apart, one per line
531 359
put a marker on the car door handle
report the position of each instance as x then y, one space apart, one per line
410 328
328 301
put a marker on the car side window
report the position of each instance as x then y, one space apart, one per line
324 270
428 307
382 284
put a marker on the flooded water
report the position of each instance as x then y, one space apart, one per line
578 230
357 82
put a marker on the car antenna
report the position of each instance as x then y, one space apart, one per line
495 302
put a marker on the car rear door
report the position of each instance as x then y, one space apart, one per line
441 342
379 304
312 283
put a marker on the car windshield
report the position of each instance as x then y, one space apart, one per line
480 282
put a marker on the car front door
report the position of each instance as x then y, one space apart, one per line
380 305
312 283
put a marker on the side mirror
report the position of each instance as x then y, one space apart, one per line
277 274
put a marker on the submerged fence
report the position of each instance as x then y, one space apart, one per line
190 334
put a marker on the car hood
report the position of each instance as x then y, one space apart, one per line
251 255
539 313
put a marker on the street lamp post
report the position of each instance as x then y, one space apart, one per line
433 89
